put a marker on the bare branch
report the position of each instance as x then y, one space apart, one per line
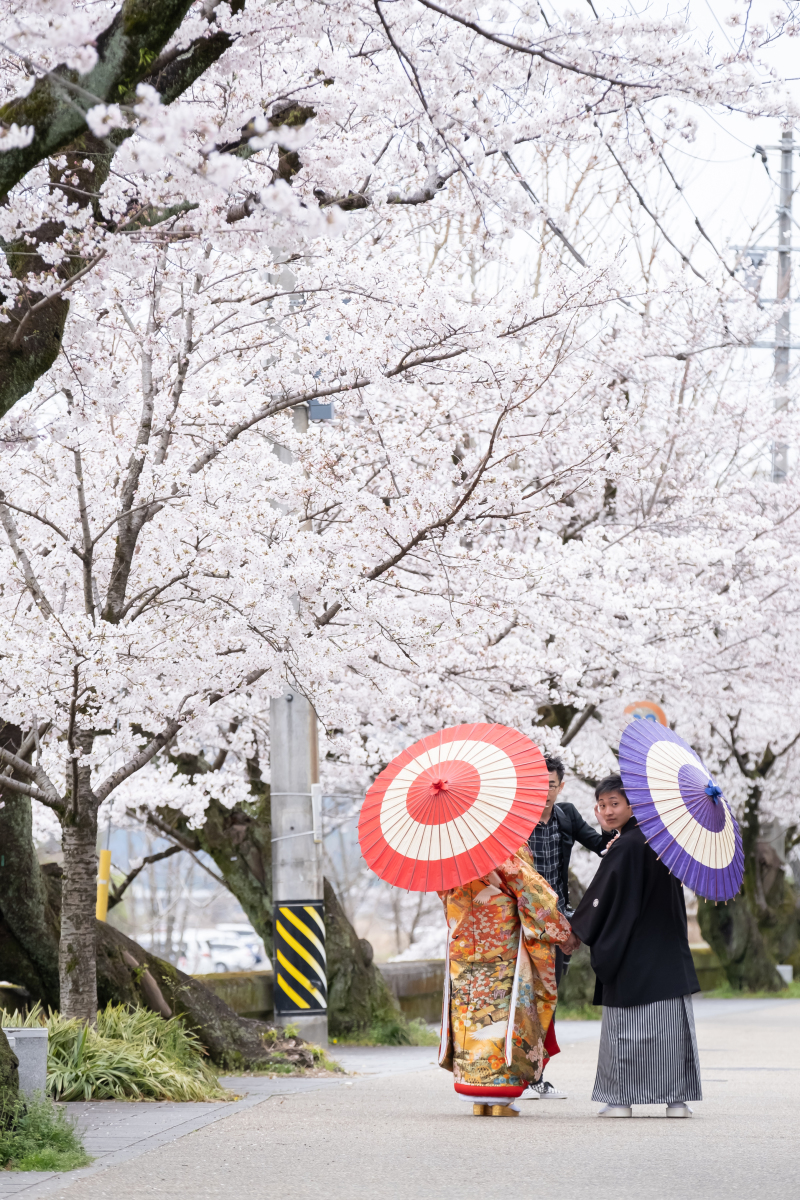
551 224
648 210
118 892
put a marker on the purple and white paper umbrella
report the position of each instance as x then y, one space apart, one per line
681 810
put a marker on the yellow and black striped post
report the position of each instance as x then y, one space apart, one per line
299 970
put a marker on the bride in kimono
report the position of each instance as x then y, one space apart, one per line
500 989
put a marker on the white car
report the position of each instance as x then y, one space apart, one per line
248 937
207 951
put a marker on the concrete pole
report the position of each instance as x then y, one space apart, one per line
783 330
298 962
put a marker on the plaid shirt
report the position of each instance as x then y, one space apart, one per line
545 846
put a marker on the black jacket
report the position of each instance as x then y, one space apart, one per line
573 828
634 918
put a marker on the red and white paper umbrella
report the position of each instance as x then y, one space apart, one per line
452 807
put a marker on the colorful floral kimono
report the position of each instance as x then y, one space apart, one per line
495 975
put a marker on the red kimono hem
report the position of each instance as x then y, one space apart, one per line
487 1089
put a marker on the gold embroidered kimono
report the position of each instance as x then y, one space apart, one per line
493 973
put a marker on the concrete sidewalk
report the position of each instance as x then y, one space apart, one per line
396 1130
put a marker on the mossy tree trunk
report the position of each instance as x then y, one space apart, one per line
9 1076
759 927
239 840
30 910
358 995
24 901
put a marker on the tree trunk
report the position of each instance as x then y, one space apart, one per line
24 902
358 996
128 974
77 956
9 1077
749 931
233 1042
732 932
239 842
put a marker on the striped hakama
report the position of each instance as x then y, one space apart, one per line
648 1054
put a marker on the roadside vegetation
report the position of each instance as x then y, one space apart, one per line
393 1030
35 1135
726 992
132 1054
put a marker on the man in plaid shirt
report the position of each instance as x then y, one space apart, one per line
560 827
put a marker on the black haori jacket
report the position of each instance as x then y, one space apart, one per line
634 918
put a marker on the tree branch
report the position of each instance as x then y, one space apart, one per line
578 725
21 556
16 340
25 789
118 892
138 761
16 763
649 211
124 49
533 52
269 410
551 224
431 188
423 533
88 545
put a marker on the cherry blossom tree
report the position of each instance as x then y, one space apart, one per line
213 216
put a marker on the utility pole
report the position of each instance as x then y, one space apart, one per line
300 990
783 326
299 968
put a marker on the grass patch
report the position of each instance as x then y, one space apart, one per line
392 1031
37 1136
322 1062
579 1012
133 1054
591 1012
726 992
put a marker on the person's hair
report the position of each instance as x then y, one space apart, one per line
554 763
611 783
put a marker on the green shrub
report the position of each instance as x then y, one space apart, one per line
726 992
37 1136
133 1054
393 1030
578 1012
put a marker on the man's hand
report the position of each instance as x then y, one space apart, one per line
571 944
602 821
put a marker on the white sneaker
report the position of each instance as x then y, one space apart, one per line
680 1109
615 1110
543 1090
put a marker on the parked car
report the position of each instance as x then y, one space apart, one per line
249 938
206 951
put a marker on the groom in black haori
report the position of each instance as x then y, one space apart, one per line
633 917
551 844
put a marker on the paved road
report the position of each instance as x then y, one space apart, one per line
396 1132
